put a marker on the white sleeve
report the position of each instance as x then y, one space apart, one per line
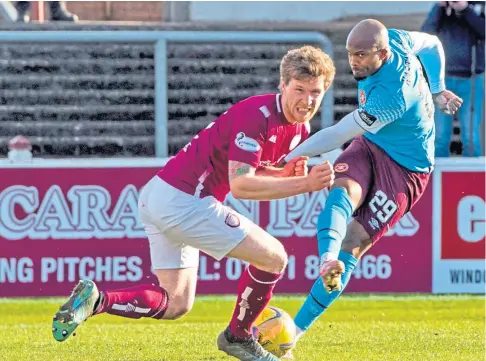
329 138
431 53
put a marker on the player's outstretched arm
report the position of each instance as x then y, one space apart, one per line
330 138
246 184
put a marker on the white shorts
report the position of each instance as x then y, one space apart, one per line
178 225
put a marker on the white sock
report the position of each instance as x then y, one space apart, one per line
298 333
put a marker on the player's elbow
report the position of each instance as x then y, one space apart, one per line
237 193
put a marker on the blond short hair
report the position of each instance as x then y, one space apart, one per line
307 62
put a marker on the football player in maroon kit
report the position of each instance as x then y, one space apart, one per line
182 208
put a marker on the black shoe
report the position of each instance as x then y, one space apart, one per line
244 349
23 8
23 18
60 13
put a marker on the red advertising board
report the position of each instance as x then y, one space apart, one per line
60 224
463 215
459 230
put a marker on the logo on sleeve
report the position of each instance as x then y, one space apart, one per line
295 141
232 220
246 143
367 118
341 167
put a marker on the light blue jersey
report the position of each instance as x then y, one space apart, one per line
396 107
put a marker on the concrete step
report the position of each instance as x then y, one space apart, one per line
194 111
220 95
242 81
187 126
225 66
76 112
144 51
340 51
78 128
86 51
87 141
76 81
66 97
345 80
76 66
344 108
347 93
217 80
228 50
213 96
342 65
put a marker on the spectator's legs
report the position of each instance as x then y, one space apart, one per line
60 13
478 115
443 125
463 89
23 8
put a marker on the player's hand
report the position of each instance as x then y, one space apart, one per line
321 176
447 102
458 5
296 167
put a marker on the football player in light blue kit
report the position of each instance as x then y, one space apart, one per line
385 170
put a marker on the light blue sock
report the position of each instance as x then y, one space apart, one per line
333 221
319 299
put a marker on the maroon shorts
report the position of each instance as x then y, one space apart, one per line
389 190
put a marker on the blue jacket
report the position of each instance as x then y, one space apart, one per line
459 32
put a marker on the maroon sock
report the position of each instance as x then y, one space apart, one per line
254 292
135 302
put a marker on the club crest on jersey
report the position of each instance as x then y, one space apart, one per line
341 167
232 220
367 118
362 97
295 141
246 143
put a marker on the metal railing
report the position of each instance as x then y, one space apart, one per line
160 38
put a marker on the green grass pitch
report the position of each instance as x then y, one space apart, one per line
355 328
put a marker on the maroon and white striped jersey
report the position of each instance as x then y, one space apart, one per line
253 131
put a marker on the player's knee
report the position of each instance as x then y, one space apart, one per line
177 311
350 244
355 246
278 261
178 307
282 262
352 188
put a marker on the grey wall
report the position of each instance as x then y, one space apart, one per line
299 10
